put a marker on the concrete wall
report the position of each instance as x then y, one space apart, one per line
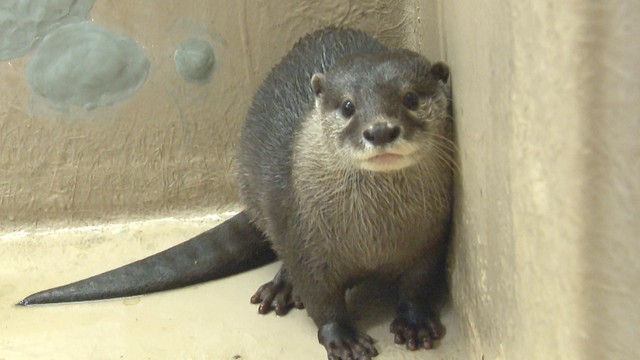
547 102
543 261
168 148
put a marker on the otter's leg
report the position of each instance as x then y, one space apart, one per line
417 324
277 295
326 305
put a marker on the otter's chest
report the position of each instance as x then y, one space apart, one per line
374 221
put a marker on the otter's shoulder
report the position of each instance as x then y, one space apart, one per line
314 53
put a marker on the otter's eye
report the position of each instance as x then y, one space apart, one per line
348 109
411 100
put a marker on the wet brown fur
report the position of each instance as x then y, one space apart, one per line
332 221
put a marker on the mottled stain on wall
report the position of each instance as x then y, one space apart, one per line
24 22
194 59
85 65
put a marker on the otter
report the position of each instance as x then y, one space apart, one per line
345 169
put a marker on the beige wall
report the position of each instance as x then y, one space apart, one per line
169 148
544 256
547 101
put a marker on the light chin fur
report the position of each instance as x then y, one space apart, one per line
387 166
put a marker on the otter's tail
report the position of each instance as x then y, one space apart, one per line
232 247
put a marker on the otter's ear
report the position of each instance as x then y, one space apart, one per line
317 84
440 71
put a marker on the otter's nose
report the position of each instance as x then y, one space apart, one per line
381 133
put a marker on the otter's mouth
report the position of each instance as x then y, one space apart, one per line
389 158
384 158
386 161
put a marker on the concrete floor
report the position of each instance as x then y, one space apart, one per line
208 321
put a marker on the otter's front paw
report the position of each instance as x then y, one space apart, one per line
276 296
418 332
344 343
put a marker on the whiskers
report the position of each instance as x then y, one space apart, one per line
444 150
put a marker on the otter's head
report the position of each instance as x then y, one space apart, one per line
383 111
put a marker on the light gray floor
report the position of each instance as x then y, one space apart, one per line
208 321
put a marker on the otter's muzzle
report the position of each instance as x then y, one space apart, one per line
381 134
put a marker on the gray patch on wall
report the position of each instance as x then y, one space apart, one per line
194 60
87 66
24 22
